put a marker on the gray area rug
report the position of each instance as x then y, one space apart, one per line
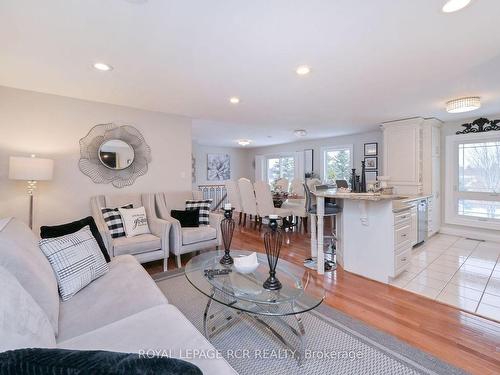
336 343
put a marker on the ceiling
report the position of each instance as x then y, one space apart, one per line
371 61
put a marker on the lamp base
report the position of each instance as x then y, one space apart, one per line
226 260
272 283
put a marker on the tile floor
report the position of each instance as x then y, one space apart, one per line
457 271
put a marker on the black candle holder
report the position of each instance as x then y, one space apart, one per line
273 240
227 228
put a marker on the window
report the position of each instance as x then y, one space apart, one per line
336 163
280 167
474 180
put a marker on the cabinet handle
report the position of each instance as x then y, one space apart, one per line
404 235
403 259
404 217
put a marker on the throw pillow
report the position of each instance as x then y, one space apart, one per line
75 226
204 207
135 221
76 260
114 221
71 362
188 219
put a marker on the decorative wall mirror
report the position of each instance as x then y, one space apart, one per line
114 154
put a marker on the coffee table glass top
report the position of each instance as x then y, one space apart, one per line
245 291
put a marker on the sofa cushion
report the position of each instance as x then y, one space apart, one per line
137 244
21 256
76 260
194 235
75 226
163 328
125 290
71 362
23 324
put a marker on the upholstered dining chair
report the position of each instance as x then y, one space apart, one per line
186 240
144 247
297 187
282 184
265 205
233 196
248 202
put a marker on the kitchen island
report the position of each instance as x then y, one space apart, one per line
373 233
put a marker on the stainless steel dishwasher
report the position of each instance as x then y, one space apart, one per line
422 221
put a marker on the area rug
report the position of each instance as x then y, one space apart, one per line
336 343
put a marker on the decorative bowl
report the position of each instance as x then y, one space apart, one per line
246 264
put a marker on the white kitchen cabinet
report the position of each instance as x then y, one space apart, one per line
402 143
412 160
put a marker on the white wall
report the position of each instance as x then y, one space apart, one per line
51 126
357 140
450 128
240 167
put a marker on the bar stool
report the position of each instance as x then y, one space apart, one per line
331 209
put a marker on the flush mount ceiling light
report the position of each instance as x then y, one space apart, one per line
103 67
303 70
234 100
455 5
463 104
244 142
300 132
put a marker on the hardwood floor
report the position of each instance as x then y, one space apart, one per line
460 338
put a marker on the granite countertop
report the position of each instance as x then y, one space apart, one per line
332 193
405 203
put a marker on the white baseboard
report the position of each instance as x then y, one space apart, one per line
470 233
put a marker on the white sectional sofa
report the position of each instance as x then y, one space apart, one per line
122 311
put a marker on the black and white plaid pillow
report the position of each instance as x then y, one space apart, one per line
114 220
204 207
76 260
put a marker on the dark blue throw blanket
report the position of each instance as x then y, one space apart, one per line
94 362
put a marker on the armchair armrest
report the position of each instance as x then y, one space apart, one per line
161 228
175 237
214 222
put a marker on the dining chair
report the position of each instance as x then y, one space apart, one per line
265 205
282 184
297 187
248 202
233 197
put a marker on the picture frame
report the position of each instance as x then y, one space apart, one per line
371 176
371 163
218 167
371 149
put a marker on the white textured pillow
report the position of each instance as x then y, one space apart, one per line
135 221
23 323
76 260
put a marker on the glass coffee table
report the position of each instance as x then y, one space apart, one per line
240 294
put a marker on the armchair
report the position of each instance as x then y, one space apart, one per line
145 247
186 240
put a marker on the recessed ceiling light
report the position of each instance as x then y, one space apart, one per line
463 104
300 132
244 142
103 67
455 5
234 100
303 70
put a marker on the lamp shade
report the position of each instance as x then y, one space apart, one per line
30 169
